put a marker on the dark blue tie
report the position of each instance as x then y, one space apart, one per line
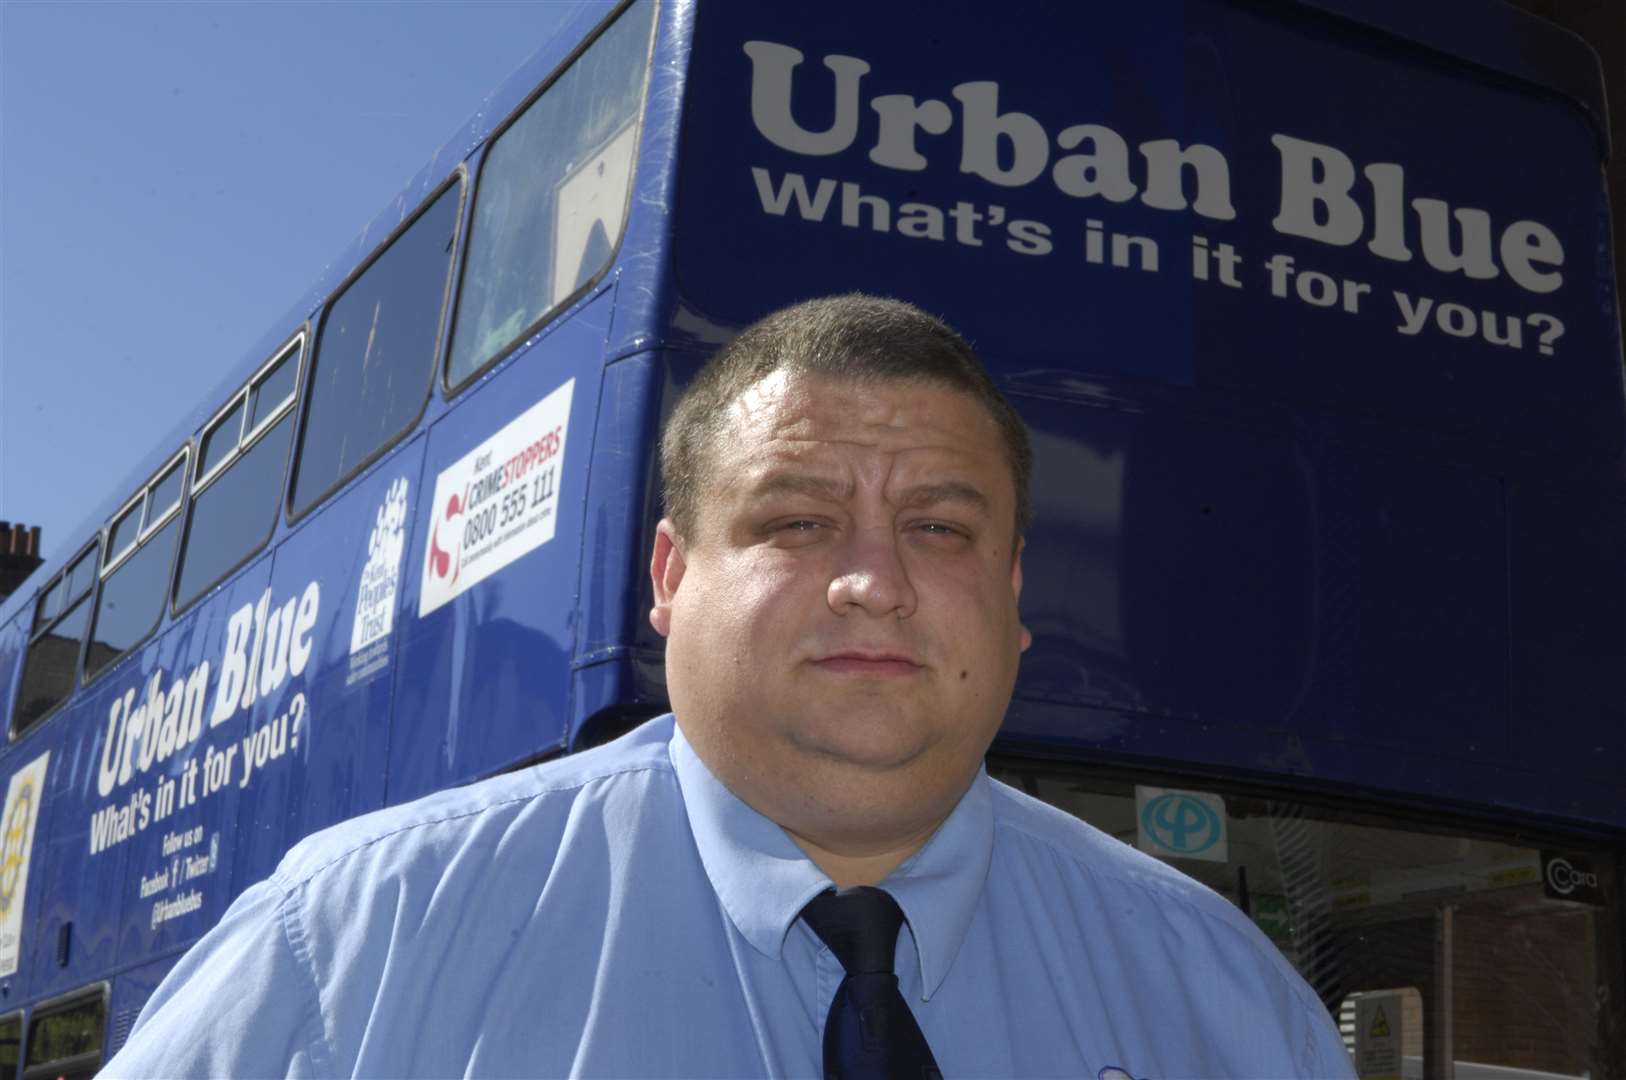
870 1033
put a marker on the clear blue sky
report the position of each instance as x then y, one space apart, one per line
173 176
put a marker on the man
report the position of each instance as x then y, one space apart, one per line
837 578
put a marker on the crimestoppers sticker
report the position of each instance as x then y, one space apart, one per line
497 502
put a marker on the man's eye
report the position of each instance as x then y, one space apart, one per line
800 525
938 528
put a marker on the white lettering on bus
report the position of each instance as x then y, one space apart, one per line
1319 198
241 679
148 725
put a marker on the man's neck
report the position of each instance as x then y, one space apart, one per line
848 865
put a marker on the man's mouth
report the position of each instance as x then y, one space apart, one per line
864 662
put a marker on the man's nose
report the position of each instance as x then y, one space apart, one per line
871 576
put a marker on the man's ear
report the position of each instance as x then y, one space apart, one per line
666 567
1016 587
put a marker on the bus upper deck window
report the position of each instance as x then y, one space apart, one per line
374 360
237 487
60 619
552 196
121 535
164 496
221 439
272 391
135 578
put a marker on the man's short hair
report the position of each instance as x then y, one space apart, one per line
852 338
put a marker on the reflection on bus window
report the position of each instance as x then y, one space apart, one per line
552 196
60 619
1518 947
66 1041
374 361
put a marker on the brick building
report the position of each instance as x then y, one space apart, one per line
19 555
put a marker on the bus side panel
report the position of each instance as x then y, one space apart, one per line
1569 614
188 793
1411 637
489 609
313 745
1108 485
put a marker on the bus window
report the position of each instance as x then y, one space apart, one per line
121 535
220 440
272 392
552 197
66 1040
1486 955
11 1038
164 497
60 619
239 482
374 360
133 585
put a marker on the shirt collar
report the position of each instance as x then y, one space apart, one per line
763 880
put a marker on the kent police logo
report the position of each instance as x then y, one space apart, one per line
1180 824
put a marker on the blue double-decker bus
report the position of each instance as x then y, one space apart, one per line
1308 305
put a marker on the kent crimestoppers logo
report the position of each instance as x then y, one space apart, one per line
441 561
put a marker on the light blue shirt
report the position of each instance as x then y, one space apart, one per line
621 913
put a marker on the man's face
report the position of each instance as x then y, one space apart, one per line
842 623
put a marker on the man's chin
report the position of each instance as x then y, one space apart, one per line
876 744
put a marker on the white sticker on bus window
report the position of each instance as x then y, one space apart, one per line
1180 824
497 502
588 209
24 795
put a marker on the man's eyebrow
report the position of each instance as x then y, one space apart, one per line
830 489
953 491
791 483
